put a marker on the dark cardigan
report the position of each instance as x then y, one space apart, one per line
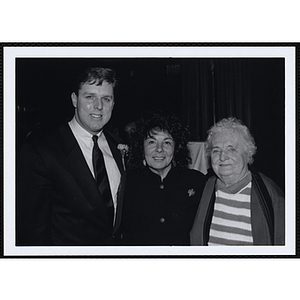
267 212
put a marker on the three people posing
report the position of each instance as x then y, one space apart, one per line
71 184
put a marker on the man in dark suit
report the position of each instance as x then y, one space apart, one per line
63 198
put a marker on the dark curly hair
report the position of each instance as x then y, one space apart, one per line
161 121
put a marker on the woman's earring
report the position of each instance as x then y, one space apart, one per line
144 162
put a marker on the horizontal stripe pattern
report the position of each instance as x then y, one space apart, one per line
235 203
240 197
227 216
231 236
229 209
231 222
215 241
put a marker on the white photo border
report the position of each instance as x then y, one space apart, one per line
9 58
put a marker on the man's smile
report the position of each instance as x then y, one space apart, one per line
96 116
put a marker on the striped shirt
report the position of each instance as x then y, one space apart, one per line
231 222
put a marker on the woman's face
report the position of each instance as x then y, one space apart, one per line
228 156
159 149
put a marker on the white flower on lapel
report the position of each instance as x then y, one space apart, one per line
124 150
191 192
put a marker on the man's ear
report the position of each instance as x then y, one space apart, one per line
74 99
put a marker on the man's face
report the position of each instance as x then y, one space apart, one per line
93 106
159 151
228 156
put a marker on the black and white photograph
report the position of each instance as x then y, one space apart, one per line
120 123
149 151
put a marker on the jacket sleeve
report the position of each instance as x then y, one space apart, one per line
33 199
278 202
199 232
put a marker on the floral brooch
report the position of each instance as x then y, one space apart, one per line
191 192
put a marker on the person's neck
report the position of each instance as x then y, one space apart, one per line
230 180
162 173
82 128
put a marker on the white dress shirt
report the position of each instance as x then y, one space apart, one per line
85 141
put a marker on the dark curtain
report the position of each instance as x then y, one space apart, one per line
214 89
199 90
251 89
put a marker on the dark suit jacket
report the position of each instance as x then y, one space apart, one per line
58 202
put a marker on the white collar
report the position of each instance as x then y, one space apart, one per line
80 131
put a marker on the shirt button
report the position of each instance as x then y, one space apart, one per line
161 220
161 186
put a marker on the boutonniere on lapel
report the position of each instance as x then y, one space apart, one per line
191 192
124 150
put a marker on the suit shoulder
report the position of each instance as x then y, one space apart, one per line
38 138
51 141
113 136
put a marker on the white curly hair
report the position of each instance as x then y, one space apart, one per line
234 124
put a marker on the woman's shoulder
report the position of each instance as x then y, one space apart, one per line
192 174
135 174
271 186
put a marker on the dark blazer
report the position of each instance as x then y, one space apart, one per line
160 213
58 202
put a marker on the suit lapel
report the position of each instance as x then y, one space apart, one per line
120 202
113 145
77 166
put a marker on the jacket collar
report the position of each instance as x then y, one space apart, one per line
77 166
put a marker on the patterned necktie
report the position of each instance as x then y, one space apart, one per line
102 178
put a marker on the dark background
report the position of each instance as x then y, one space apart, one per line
200 91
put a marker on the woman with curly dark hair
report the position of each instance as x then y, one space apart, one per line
162 194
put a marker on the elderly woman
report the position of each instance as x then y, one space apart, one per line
239 206
162 194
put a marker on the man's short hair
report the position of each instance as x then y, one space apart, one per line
95 75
